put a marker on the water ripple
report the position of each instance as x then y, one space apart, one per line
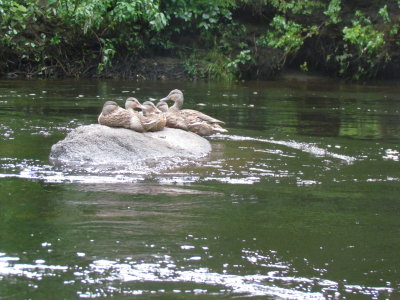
305 147
272 284
233 162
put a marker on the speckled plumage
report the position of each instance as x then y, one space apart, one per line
149 119
152 116
188 119
136 121
114 116
173 118
163 106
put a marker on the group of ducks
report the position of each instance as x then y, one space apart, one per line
156 117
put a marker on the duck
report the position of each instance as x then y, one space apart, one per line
204 128
131 103
114 116
162 106
188 119
152 115
174 119
149 119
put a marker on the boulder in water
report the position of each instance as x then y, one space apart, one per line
98 144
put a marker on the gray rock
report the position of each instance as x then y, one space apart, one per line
98 145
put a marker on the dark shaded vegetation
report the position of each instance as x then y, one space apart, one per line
223 39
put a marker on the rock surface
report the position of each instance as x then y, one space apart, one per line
98 144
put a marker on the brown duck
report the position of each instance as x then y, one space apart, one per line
149 119
114 116
188 119
153 116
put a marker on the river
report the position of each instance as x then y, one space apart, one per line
300 200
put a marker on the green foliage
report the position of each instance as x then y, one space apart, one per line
362 35
383 12
63 28
72 36
242 58
333 12
197 15
107 51
360 50
287 36
304 67
364 46
210 64
287 6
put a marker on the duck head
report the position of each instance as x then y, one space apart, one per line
132 103
177 97
163 106
109 107
148 107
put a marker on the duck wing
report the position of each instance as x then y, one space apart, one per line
117 118
175 120
204 128
191 113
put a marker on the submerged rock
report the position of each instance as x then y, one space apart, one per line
98 144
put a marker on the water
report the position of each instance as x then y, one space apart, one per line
299 201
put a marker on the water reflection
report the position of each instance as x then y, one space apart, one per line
324 109
141 188
318 116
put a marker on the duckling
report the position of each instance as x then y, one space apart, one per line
154 117
189 119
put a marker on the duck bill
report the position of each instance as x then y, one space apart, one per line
164 99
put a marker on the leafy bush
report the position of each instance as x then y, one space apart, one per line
357 50
223 39
77 30
364 48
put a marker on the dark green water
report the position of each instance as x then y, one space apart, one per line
301 200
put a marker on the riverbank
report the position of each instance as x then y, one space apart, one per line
215 40
156 68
